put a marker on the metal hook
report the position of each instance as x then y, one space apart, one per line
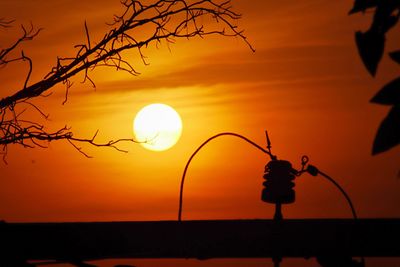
304 160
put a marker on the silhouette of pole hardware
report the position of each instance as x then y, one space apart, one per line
278 187
279 183
279 176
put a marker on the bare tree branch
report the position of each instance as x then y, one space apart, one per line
108 51
168 20
27 35
4 23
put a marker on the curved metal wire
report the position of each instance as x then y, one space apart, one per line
266 151
353 210
199 148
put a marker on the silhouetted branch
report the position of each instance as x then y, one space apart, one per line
4 23
163 21
27 35
107 52
17 132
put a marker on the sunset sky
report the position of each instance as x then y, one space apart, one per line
305 84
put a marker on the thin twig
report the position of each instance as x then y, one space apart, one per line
165 21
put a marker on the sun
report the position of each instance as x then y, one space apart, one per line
157 126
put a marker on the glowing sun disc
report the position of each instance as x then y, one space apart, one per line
157 126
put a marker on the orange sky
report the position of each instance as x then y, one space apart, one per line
305 84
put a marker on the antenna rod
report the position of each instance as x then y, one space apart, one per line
268 141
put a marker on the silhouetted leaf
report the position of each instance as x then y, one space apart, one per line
385 15
395 56
389 94
362 5
370 47
388 134
390 22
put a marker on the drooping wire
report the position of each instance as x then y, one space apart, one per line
268 152
314 171
353 210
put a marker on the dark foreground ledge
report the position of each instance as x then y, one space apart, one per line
200 239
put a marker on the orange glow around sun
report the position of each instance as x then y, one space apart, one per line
304 84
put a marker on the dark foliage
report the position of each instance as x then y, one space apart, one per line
388 134
371 47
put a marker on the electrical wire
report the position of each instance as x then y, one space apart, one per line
268 152
310 169
353 210
314 171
